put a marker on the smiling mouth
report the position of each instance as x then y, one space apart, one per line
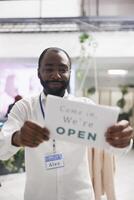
55 84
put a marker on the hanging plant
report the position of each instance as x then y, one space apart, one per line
83 37
91 91
122 102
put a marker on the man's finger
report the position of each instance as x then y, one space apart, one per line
118 126
128 131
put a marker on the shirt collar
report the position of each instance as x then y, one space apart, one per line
43 96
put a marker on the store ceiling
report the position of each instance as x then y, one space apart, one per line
83 15
66 24
101 15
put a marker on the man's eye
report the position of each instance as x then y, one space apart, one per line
63 70
52 70
49 70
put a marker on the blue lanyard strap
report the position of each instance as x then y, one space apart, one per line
43 114
41 107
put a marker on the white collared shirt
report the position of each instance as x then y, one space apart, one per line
71 182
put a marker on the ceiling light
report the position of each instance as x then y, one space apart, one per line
119 72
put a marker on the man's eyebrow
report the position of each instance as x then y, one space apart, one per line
60 65
49 64
63 65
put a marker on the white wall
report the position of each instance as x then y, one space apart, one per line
110 7
109 44
116 7
44 8
31 45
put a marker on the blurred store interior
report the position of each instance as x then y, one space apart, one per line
97 34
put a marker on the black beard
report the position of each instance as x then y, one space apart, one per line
57 92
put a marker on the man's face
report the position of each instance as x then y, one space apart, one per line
54 72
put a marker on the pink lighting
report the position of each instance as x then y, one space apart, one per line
17 80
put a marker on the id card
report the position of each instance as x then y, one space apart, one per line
54 160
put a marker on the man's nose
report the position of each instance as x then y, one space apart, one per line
56 74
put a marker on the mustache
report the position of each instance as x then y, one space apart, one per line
55 91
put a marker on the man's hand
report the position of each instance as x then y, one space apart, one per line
30 135
120 134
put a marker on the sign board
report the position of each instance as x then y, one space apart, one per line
79 122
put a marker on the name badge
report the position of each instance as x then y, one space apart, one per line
54 160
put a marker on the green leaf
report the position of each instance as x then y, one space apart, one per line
91 90
83 37
121 103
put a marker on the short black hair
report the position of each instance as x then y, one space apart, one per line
57 49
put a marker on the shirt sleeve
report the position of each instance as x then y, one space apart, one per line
14 122
6 148
120 151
